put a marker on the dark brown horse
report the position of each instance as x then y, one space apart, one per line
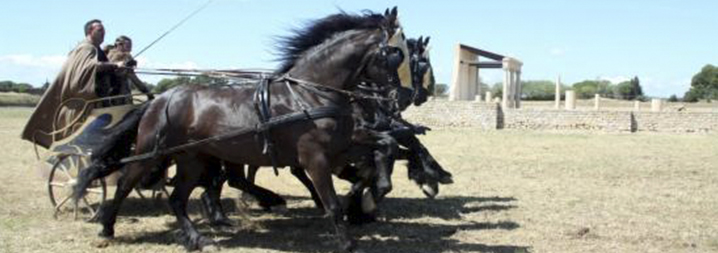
322 64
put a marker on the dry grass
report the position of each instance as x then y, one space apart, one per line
514 192
18 99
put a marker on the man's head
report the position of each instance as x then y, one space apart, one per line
124 44
95 32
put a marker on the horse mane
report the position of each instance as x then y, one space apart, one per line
291 47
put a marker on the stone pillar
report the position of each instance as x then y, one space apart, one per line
636 105
596 102
463 78
507 90
477 98
518 89
489 97
557 104
570 100
656 105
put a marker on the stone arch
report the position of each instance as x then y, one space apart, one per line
465 76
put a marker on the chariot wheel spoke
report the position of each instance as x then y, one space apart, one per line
65 171
87 203
95 191
59 205
58 184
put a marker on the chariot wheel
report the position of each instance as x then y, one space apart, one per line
63 176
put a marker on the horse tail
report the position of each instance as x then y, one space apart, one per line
105 158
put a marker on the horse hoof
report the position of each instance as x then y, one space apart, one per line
279 209
446 180
368 205
198 242
106 233
430 190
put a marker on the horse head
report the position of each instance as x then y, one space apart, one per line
344 50
422 74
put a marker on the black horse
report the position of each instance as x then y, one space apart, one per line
310 124
380 129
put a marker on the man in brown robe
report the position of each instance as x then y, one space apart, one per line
84 77
120 52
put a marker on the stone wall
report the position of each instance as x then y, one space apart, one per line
490 116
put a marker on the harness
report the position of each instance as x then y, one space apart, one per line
267 121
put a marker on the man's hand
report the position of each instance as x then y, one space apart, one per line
130 63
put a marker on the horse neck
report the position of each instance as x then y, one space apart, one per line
337 62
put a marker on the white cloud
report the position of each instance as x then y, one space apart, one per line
27 60
36 70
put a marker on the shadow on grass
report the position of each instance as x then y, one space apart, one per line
305 230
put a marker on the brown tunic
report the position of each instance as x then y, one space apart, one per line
64 102
123 77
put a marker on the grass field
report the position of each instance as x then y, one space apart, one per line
513 192
18 99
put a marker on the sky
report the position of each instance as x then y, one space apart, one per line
664 43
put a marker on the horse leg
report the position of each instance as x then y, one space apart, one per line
429 164
267 199
107 214
302 176
384 162
319 171
212 181
252 173
189 171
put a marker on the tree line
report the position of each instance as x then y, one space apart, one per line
546 90
704 86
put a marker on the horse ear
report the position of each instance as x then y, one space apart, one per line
420 41
394 12
426 40
386 12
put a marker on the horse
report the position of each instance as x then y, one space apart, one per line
423 169
311 97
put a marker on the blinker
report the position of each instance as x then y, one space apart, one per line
404 70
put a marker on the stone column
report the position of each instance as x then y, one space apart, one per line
518 89
570 100
460 83
596 102
656 105
507 89
636 105
489 97
557 104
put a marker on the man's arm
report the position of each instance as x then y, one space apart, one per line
139 84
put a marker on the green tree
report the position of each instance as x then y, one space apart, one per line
704 85
440 89
673 98
539 90
587 89
497 90
637 91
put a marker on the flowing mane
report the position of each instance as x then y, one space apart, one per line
290 48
